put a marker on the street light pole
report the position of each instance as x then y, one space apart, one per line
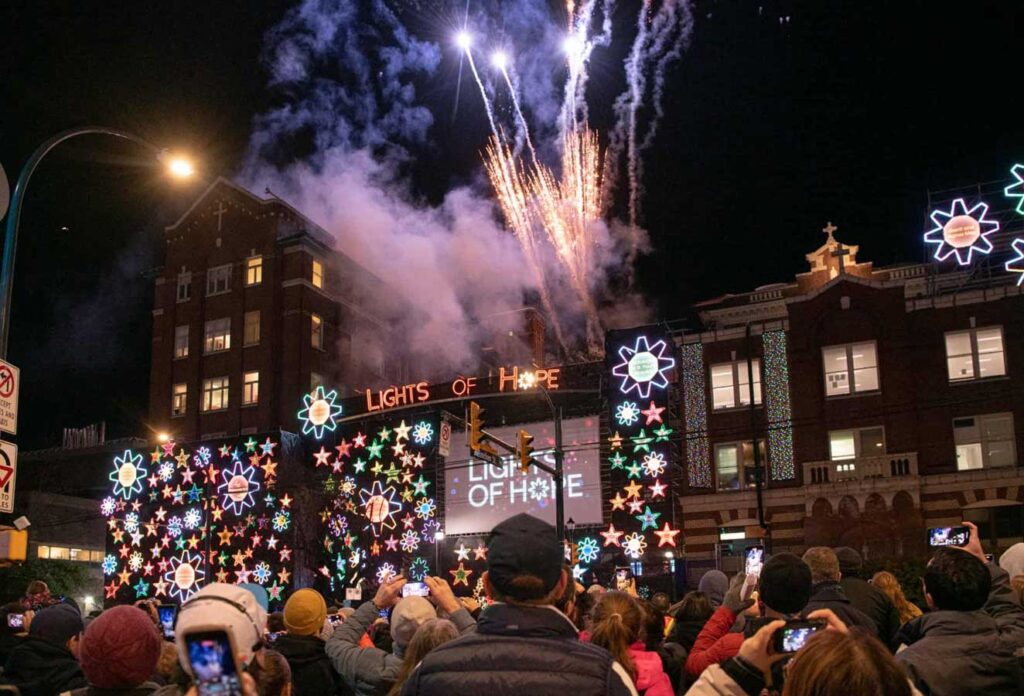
179 168
557 474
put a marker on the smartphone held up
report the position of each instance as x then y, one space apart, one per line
795 634
949 536
214 663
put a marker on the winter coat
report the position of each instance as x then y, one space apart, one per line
371 671
714 644
873 603
41 668
685 633
520 651
830 595
651 679
145 689
721 680
967 652
312 673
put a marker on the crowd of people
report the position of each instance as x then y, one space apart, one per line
806 626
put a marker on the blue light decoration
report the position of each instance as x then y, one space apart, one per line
627 413
777 406
961 231
587 550
1016 264
423 433
1016 189
319 412
695 416
643 366
239 488
128 474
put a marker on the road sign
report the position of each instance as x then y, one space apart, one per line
8 475
444 443
9 384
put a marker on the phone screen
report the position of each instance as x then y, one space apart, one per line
271 637
167 613
213 665
755 561
795 638
15 621
418 589
949 536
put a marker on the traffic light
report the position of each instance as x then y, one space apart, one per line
525 451
476 431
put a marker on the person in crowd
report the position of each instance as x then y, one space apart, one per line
618 627
229 607
567 602
691 615
784 589
119 653
663 603
10 636
275 622
37 596
522 644
259 592
834 662
45 662
305 614
966 644
272 674
583 613
887 583
433 633
672 655
1012 560
1017 585
714 584
168 671
380 635
870 601
368 671
827 593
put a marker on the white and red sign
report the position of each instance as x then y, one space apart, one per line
8 475
9 383
444 443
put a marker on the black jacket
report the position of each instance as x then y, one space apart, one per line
830 595
145 689
954 653
685 633
312 674
520 651
871 601
41 668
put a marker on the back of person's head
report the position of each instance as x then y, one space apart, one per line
346 612
661 601
838 664
823 563
566 603
714 584
167 665
58 624
653 632
36 587
275 622
695 607
850 561
380 636
120 649
431 634
1012 559
524 562
406 618
305 612
785 583
583 613
618 622
272 673
259 592
956 580
220 606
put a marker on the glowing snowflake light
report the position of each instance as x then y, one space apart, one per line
634 545
385 573
262 572
425 508
587 549
239 488
320 412
135 561
128 474
192 518
1016 264
131 522
109 565
627 413
281 520
644 366
654 464
166 471
174 527
379 506
185 576
961 231
418 569
423 433
410 541
539 489
108 506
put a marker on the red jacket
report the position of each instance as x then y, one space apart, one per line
714 643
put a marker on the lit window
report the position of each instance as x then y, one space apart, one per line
250 388
315 380
251 328
730 386
318 274
984 442
181 341
43 551
217 336
218 280
850 369
317 328
60 553
184 286
734 464
179 399
215 394
856 443
975 354
254 270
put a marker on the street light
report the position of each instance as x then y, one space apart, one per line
177 165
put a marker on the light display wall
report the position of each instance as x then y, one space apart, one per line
182 516
695 414
777 406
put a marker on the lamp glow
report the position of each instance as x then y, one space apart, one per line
180 167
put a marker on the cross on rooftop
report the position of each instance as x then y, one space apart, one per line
219 212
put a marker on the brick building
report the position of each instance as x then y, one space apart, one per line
253 308
887 400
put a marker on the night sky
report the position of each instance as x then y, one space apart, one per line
780 117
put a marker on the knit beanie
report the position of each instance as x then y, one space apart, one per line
57 624
409 614
305 612
850 562
120 649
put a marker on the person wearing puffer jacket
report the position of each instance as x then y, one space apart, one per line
618 627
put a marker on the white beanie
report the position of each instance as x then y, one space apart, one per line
222 607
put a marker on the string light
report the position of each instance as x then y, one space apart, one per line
777 406
695 415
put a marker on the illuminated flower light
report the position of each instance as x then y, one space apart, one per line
379 507
347 486
262 572
654 464
425 508
644 366
174 527
410 541
281 520
961 231
627 413
1016 264
423 433
131 522
634 545
338 525
527 380
539 489
320 412
385 573
202 457
128 474
185 576
135 561
239 488
108 506
418 569
192 518
777 408
109 565
698 453
166 471
587 549
1016 189
430 529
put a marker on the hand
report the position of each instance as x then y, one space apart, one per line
442 594
973 545
389 592
470 604
757 649
832 622
734 599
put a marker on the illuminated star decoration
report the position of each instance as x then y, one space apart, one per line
617 461
649 519
379 507
612 536
239 488
666 535
128 474
186 576
644 366
653 413
320 412
969 228
423 433
627 413
1016 264
461 575
1016 189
